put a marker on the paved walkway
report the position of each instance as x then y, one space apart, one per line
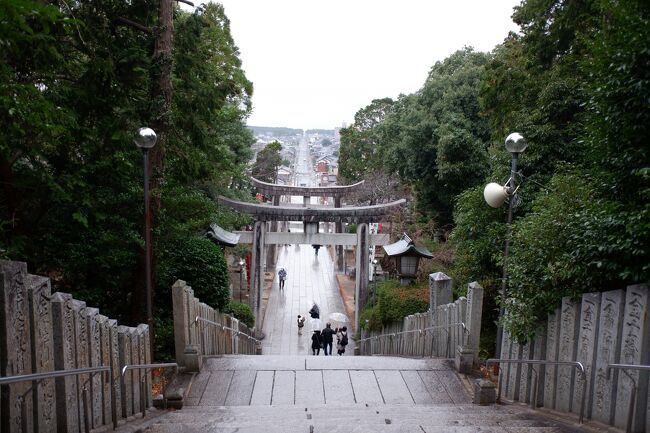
310 279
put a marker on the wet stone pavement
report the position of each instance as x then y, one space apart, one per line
310 279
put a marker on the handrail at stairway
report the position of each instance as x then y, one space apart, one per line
576 364
623 367
224 327
394 334
143 384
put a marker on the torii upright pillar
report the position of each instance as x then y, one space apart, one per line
338 228
257 273
362 272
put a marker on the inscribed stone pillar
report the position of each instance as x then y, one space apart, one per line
525 375
504 373
94 360
105 356
137 374
439 290
16 349
569 327
257 270
552 347
126 383
587 339
363 265
42 352
145 358
634 350
81 356
116 382
608 352
473 317
539 352
63 335
181 320
514 374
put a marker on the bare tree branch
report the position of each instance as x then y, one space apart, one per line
128 22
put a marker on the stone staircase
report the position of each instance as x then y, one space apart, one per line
273 394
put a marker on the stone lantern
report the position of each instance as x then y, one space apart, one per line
407 257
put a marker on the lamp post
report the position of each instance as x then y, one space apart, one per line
495 196
145 139
374 278
241 277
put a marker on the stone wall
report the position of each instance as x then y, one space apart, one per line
43 332
214 333
446 330
597 330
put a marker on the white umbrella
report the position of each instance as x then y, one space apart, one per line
315 324
338 317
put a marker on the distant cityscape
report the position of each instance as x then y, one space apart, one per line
324 145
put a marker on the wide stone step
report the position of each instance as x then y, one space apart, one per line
361 418
300 380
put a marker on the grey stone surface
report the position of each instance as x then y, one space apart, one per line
366 388
474 315
284 390
126 382
416 387
218 385
42 352
569 327
81 341
310 387
14 320
105 356
95 387
484 392
609 337
393 387
116 387
552 345
439 290
64 359
634 350
586 351
241 388
338 387
263 388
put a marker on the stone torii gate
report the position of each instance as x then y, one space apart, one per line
311 216
335 191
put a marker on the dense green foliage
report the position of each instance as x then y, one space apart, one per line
576 83
392 303
75 84
267 163
242 312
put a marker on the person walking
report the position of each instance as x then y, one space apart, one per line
282 273
314 312
341 340
327 336
301 324
316 343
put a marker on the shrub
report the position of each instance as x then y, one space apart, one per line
201 264
393 303
241 312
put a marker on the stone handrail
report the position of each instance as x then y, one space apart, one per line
52 348
225 328
633 399
601 330
447 330
193 342
576 364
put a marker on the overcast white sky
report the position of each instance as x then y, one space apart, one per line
314 64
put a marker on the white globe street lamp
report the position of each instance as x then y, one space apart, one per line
145 139
495 195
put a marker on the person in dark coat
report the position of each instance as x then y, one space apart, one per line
316 343
341 340
327 335
314 312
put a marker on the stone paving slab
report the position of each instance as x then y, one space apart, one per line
287 362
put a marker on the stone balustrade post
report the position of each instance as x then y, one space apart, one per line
439 290
467 353
64 359
42 351
14 346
